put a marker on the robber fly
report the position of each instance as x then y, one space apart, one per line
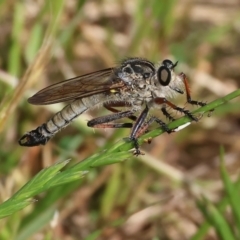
136 84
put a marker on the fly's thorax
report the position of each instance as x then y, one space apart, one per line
136 93
135 71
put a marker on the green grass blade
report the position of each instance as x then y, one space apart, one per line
36 224
47 203
36 67
201 232
93 236
15 50
51 177
22 198
67 34
34 42
110 196
56 8
222 205
231 191
217 220
37 184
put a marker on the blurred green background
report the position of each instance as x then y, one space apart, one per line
154 196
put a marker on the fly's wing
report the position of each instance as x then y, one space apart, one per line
78 87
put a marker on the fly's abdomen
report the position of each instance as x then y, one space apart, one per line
43 133
65 116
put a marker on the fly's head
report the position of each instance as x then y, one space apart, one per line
168 81
136 72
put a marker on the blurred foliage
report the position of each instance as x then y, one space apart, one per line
172 192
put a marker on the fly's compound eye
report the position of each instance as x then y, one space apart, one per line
164 72
164 75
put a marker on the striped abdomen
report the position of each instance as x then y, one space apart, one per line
43 133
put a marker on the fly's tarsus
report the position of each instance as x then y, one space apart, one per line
187 113
210 112
162 124
198 103
136 151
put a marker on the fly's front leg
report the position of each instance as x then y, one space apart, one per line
189 99
164 101
188 94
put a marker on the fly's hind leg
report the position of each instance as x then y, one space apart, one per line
111 107
138 128
105 121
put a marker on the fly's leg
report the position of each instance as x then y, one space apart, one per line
110 106
143 129
109 125
146 125
167 114
104 121
188 94
162 124
189 99
164 101
137 130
